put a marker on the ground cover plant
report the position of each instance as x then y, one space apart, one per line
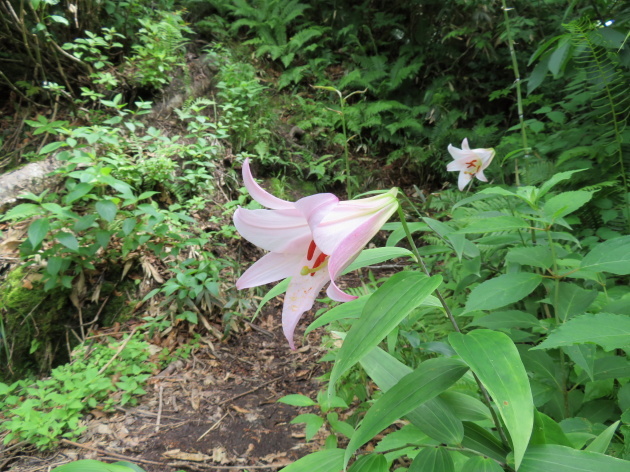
481 146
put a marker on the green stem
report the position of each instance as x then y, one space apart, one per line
447 310
345 147
519 95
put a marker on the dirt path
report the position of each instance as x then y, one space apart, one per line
215 411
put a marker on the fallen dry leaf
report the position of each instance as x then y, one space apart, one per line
186 456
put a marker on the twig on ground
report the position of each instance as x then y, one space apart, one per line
249 391
159 414
105 452
214 426
120 349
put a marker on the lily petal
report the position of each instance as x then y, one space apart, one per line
271 267
261 195
481 176
347 216
463 180
300 297
263 227
316 207
465 145
350 247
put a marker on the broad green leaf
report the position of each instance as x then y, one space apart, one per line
327 460
297 400
134 467
555 458
497 223
494 358
600 443
611 368
107 210
608 330
81 189
547 431
481 464
434 417
537 256
432 459
398 439
610 256
313 424
509 319
502 290
572 300
37 231
68 240
566 203
22 212
50 147
427 381
555 179
370 463
91 466
386 308
83 223
346 310
584 356
481 440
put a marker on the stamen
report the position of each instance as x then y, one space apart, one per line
311 250
321 258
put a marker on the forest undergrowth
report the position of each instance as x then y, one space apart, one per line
484 144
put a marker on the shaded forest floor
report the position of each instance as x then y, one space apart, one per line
216 410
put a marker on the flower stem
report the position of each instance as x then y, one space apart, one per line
449 313
519 95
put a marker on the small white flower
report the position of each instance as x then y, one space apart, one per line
469 162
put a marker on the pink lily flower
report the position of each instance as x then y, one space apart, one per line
469 162
312 241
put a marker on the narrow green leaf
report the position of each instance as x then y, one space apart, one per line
107 210
547 431
600 443
610 256
297 400
494 358
434 418
328 460
37 231
352 309
427 381
386 308
497 223
465 407
370 463
552 457
608 330
432 459
502 290
370 257
481 464
481 440
278 289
